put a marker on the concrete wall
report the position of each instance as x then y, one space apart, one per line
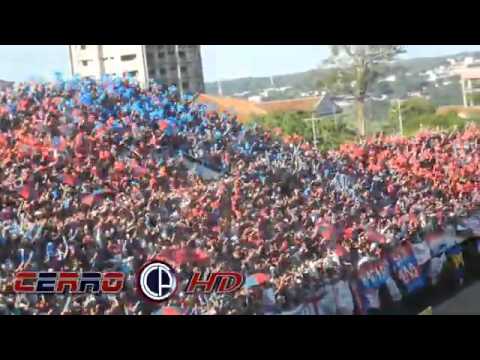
164 67
156 62
96 60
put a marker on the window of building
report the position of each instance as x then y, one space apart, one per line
83 47
129 57
173 68
152 73
85 62
185 85
184 70
163 71
160 47
149 56
171 49
182 55
133 73
161 55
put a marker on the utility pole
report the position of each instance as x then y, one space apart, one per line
220 90
315 141
179 70
314 128
400 119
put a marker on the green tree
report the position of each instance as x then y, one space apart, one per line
330 135
361 60
338 81
411 110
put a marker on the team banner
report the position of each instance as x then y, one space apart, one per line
421 251
373 274
405 267
330 299
439 243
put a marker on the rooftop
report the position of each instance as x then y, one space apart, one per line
244 109
307 104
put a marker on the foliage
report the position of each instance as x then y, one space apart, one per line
416 106
338 81
447 95
330 135
306 81
475 97
419 113
361 60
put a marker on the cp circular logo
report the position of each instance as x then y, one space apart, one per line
157 281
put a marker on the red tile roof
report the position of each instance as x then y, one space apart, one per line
293 105
245 110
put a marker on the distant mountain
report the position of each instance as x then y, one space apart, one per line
302 81
306 81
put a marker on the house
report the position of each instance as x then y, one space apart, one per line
431 76
317 106
247 110
255 99
470 81
242 94
415 94
390 78
244 110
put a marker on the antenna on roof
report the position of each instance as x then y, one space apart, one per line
272 82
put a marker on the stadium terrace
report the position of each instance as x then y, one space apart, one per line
105 175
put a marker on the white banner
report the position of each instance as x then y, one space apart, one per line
436 267
421 251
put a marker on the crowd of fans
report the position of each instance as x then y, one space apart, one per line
94 176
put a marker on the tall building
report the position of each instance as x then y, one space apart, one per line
169 64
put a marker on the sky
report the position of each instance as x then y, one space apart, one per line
220 62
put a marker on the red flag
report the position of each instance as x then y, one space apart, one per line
89 200
3 140
163 124
28 193
184 255
348 233
137 170
70 180
327 231
119 166
340 251
358 152
374 236
104 155
201 256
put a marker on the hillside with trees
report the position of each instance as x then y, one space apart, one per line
407 74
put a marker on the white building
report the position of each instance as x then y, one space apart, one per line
390 78
255 99
470 82
169 64
242 94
